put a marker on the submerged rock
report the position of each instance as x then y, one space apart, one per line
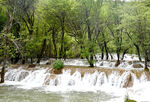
137 66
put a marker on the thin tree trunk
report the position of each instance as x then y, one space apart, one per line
102 56
42 51
31 60
3 75
138 51
146 64
136 46
91 57
124 52
107 55
4 63
23 60
62 38
118 59
54 43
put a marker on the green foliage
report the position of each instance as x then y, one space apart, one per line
75 28
58 64
3 20
128 100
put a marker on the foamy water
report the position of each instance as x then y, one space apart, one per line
67 82
127 63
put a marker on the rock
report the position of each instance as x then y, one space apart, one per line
130 62
32 66
147 75
52 76
101 64
23 75
117 64
129 81
50 62
48 78
137 66
55 71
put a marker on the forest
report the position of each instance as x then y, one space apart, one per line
31 30
74 50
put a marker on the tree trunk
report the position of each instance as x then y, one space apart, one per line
16 59
61 53
107 55
105 46
146 65
54 43
124 52
91 50
3 75
23 60
102 56
118 59
81 47
31 60
42 51
91 61
138 51
4 63
111 56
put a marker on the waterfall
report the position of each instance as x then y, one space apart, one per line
43 77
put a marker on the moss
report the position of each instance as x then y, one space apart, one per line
146 69
128 100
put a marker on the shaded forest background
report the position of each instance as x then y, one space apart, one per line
60 29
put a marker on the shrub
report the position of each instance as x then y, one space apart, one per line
58 64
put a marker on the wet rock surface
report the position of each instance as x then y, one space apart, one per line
32 66
128 82
137 66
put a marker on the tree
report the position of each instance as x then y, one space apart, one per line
137 18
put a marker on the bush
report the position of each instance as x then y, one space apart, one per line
58 64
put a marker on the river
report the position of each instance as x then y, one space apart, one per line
14 94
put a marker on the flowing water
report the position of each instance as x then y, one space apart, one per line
38 85
13 94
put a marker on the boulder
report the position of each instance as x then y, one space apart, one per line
101 64
23 75
32 66
137 66
130 62
55 71
128 82
48 78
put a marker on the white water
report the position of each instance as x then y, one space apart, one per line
126 64
113 84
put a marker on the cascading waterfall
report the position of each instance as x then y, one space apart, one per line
42 77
